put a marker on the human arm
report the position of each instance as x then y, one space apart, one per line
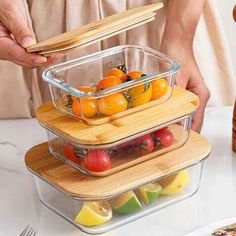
181 22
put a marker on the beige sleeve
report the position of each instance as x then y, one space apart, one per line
212 54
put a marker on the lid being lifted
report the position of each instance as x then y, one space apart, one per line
97 31
180 104
75 184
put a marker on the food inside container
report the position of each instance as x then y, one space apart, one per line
181 104
106 159
105 214
97 205
112 83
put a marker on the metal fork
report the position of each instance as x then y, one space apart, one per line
28 231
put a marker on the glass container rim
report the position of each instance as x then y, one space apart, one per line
49 74
109 197
120 141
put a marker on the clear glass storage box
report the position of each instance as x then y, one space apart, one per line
102 215
105 159
112 83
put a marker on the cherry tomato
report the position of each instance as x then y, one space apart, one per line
159 88
85 106
69 152
76 106
118 73
109 81
143 145
140 94
163 138
112 104
88 88
134 75
88 107
124 147
97 160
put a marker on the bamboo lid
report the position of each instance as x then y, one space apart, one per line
75 184
97 31
181 103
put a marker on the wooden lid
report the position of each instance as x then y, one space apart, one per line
180 104
97 31
75 184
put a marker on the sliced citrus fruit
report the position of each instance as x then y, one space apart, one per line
149 193
126 203
94 213
175 183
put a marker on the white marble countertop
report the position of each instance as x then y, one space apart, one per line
20 205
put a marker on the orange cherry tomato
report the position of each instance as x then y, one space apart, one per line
118 73
85 106
88 88
159 88
76 106
112 104
88 107
109 81
134 74
140 94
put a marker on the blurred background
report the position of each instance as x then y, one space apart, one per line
225 8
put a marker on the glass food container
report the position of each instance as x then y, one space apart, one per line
105 159
97 205
124 208
112 83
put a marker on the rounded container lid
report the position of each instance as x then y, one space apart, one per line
79 186
181 103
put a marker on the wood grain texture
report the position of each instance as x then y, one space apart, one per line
99 120
97 38
73 183
180 104
94 28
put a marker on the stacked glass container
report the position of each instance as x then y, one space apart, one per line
119 140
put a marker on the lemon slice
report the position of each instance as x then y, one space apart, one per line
175 183
94 213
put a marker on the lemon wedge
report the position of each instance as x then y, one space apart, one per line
149 193
126 203
175 183
94 213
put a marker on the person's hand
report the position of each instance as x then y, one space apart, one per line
190 78
15 36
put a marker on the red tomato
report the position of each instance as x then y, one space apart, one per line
143 145
97 160
124 146
69 152
163 138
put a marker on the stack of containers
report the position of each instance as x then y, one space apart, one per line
122 151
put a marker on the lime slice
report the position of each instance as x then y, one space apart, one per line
126 203
94 213
149 193
175 183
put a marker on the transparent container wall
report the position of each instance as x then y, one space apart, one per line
81 87
107 159
127 207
